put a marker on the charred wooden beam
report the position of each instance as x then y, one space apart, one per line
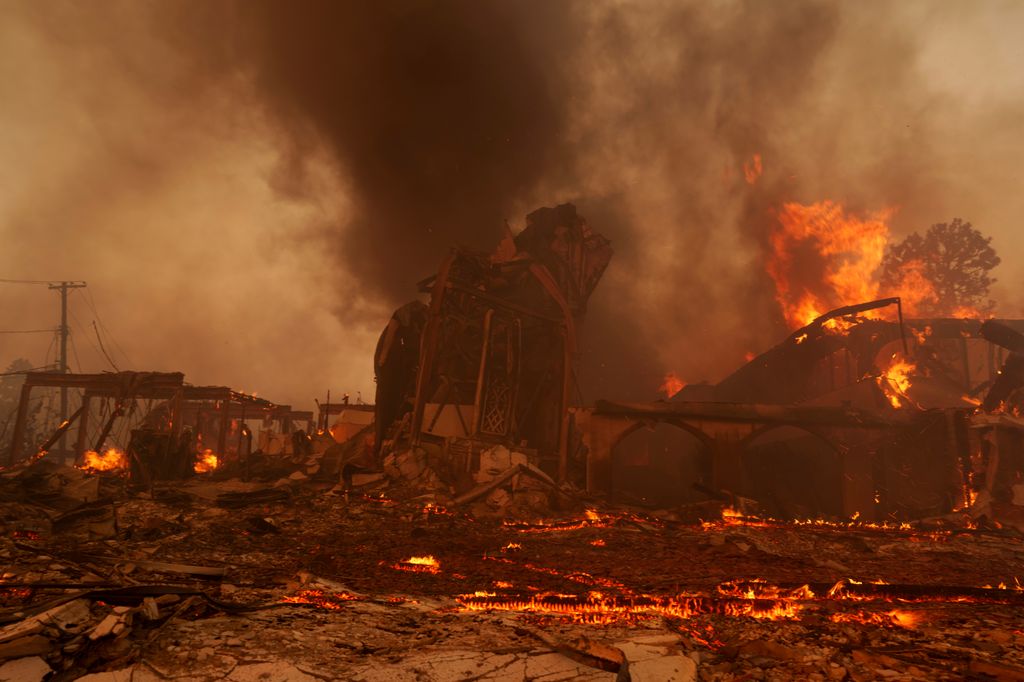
1003 335
61 430
750 412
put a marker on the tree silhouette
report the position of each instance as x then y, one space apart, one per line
954 257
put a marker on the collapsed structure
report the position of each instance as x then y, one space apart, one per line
851 416
487 366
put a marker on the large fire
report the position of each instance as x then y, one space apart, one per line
111 459
823 257
206 462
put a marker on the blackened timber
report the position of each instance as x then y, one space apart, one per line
752 412
1003 335
62 429
113 384
501 302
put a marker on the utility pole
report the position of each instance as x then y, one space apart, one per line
64 332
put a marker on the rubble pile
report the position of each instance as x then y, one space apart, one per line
217 579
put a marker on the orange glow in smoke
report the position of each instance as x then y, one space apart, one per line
671 385
110 460
752 169
206 462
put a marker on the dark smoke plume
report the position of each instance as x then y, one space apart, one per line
440 114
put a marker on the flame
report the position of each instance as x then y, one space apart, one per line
419 564
921 335
823 257
331 602
915 289
895 380
848 251
110 460
732 517
206 462
752 169
755 599
964 312
591 519
671 385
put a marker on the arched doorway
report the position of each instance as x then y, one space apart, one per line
792 473
657 465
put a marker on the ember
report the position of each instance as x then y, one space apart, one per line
331 601
419 564
596 607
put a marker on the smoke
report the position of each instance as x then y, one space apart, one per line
146 170
249 188
440 114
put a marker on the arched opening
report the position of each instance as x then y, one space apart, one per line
657 465
792 473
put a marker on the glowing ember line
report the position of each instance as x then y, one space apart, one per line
731 517
319 598
598 608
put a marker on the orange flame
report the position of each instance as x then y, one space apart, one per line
895 380
419 564
319 598
823 258
206 462
111 459
671 385
847 251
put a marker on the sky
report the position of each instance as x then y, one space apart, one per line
250 189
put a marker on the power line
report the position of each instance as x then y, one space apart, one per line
26 371
81 330
74 351
91 302
25 331
97 330
26 281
